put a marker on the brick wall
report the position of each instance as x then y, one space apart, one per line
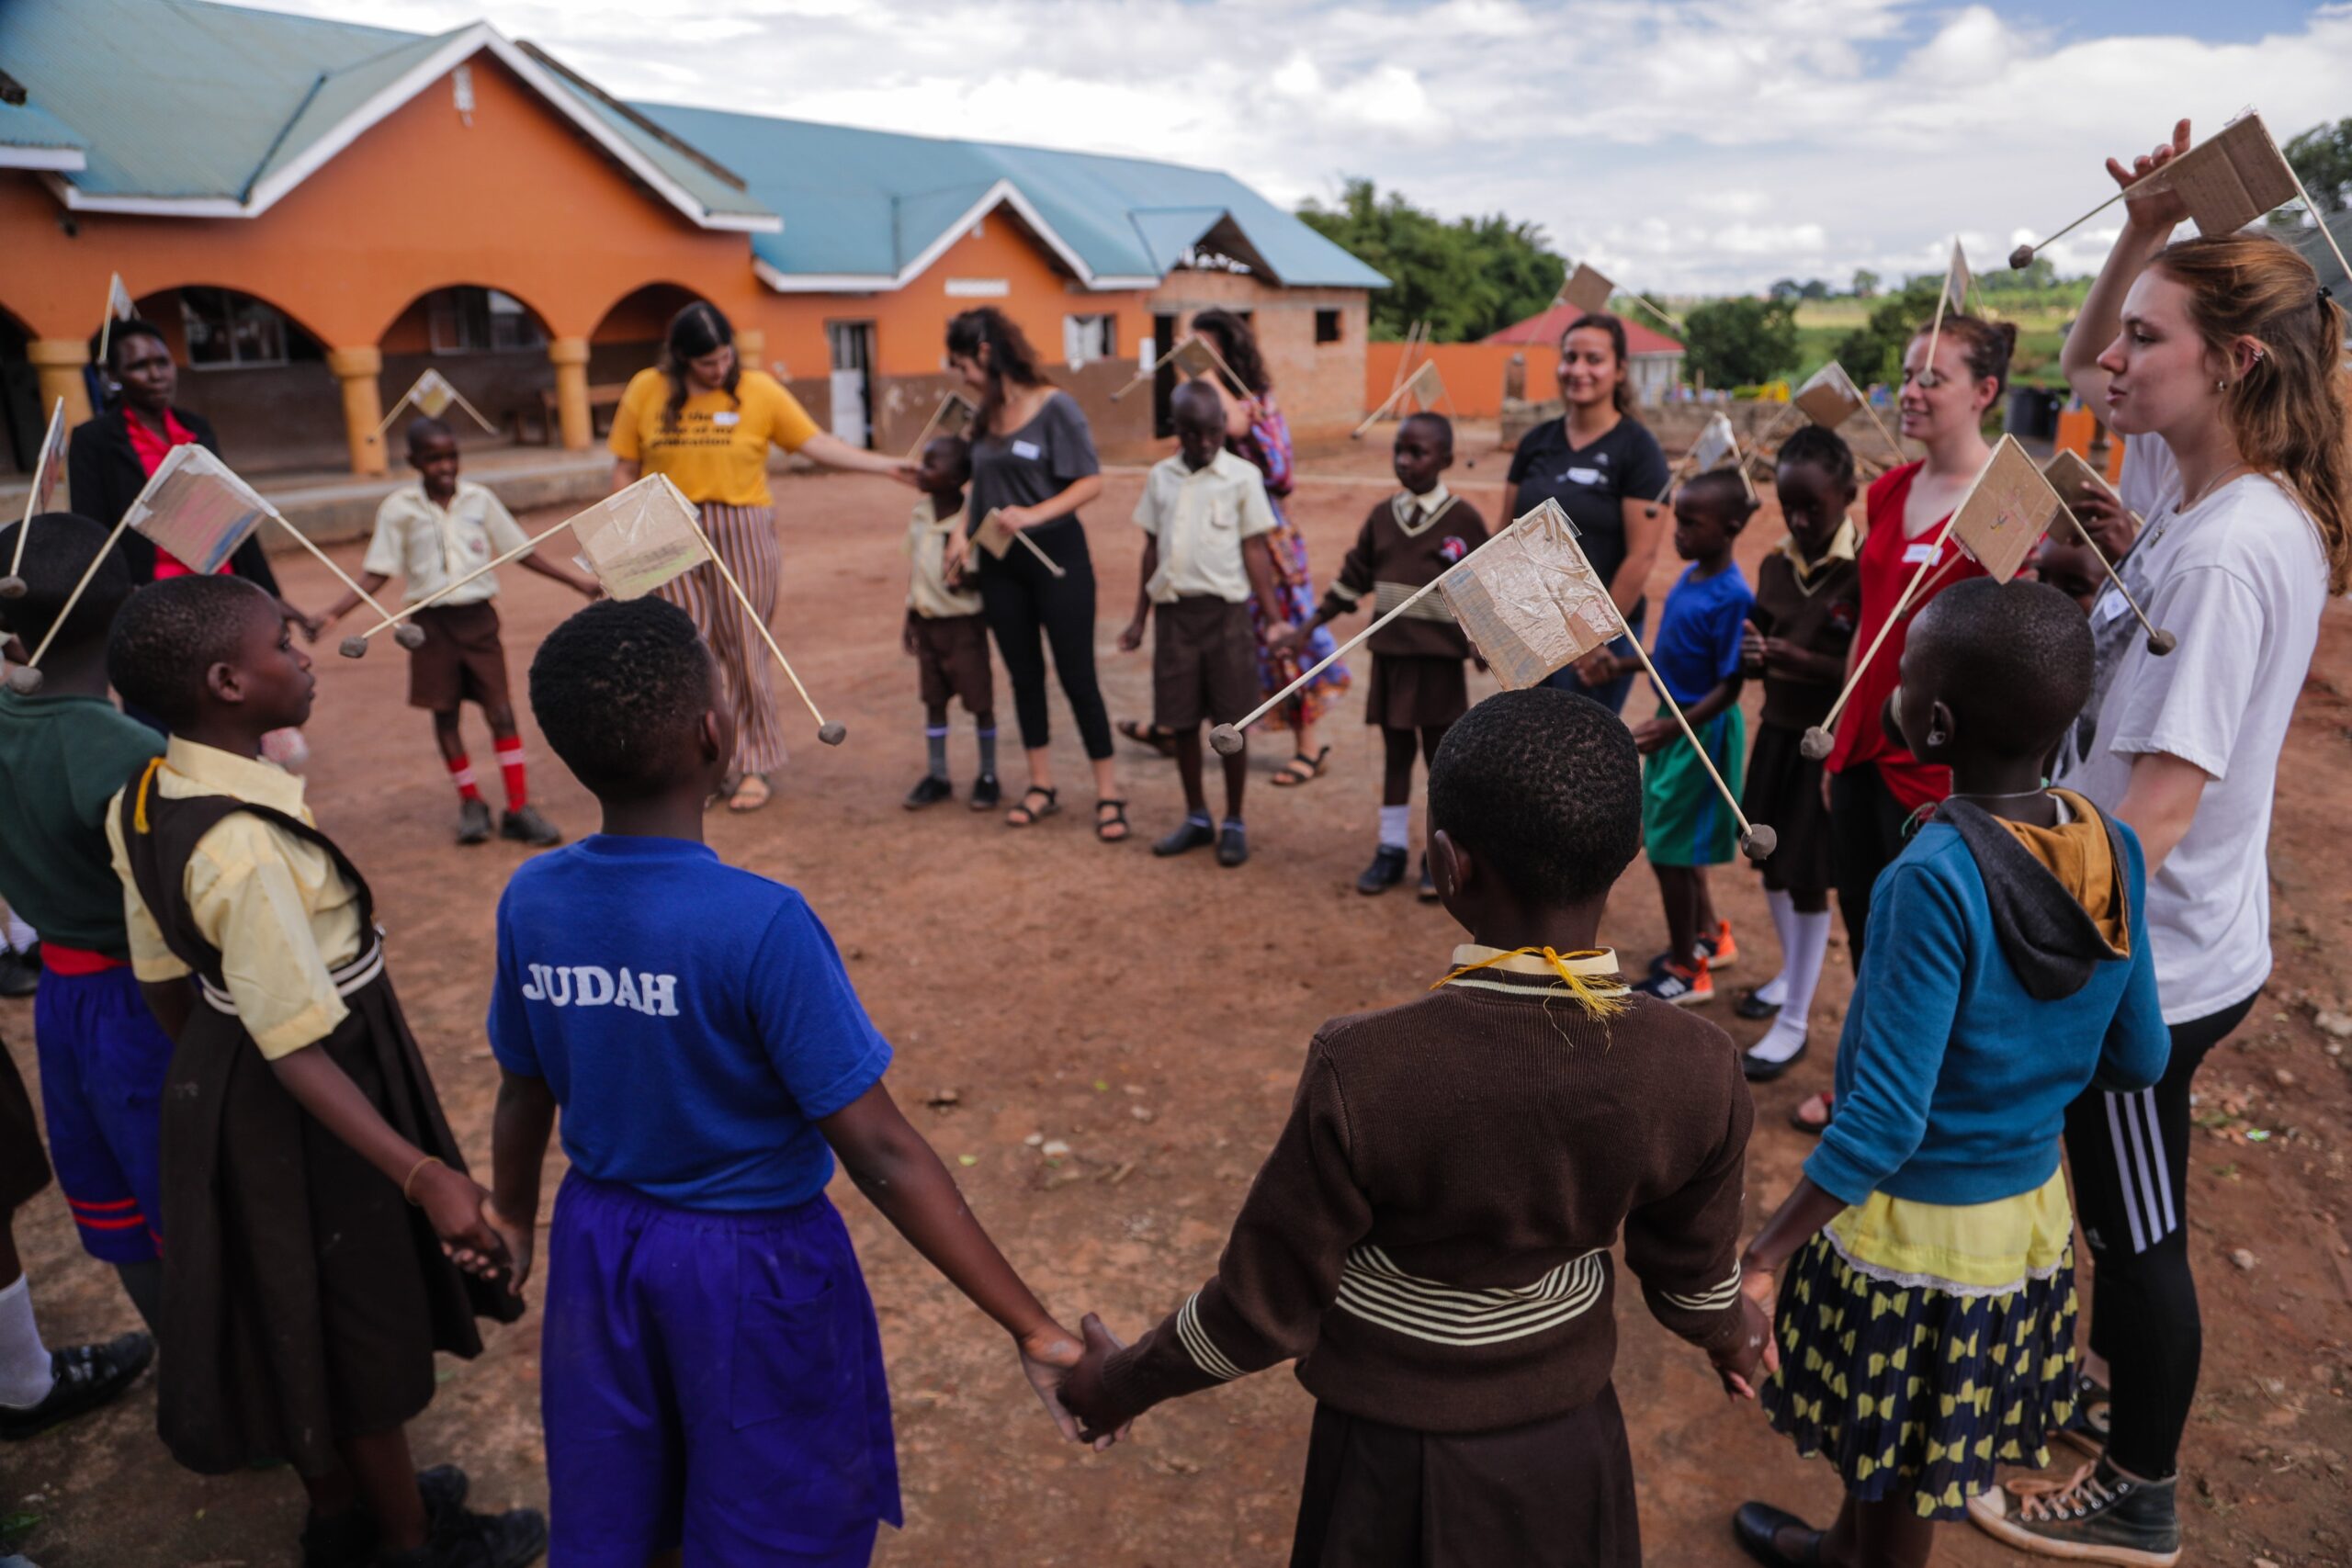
1319 386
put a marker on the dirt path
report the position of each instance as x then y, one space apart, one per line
1152 1015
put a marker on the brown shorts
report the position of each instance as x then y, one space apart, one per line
24 1170
1203 662
1409 691
462 659
952 653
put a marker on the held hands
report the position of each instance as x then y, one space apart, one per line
1652 735
1052 1361
1283 638
520 1245
2157 209
1744 1363
1597 668
1083 1394
457 1206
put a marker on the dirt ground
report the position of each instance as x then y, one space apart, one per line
1151 1015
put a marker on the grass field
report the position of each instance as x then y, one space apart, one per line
2040 314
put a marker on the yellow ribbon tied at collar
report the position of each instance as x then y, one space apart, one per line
1600 1001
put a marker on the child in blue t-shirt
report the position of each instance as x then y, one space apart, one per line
711 1373
1686 826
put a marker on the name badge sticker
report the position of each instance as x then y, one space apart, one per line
1582 476
1028 449
1920 555
2110 604
727 419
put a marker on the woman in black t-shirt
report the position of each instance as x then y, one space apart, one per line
1607 472
1032 462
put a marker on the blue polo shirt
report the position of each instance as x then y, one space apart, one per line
692 1019
1698 636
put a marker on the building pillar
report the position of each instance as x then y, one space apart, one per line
569 358
59 361
363 404
752 347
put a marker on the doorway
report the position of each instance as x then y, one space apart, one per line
852 345
1163 385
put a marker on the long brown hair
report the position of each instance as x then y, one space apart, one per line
698 330
1233 338
1010 356
2287 413
1620 396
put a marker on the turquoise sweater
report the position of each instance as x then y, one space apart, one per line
1953 1081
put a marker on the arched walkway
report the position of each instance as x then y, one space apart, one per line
489 343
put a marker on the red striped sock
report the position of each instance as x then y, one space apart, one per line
510 766
461 774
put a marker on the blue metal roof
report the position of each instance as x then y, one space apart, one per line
30 125
866 204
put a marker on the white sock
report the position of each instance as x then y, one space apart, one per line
1808 946
25 1377
21 936
1396 824
1783 910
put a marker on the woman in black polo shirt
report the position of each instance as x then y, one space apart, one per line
1607 472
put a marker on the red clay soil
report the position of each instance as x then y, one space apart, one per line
1151 1015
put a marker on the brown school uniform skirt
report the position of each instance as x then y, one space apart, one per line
1784 789
1203 662
303 1296
1555 1494
1415 692
461 658
951 654
24 1170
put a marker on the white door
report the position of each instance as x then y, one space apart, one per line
853 355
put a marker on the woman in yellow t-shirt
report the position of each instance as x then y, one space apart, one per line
707 422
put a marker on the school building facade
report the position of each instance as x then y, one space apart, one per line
315 212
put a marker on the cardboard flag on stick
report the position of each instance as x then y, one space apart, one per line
1587 289
952 417
996 535
432 392
1718 444
1194 356
2006 510
639 538
49 468
118 308
2072 475
1424 386
1828 396
1530 603
2232 178
1957 278
196 510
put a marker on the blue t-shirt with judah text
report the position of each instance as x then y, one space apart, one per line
1698 635
692 1019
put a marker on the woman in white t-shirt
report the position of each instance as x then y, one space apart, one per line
2219 359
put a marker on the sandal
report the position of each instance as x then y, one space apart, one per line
1812 1129
751 791
1149 735
1025 815
1103 825
1301 769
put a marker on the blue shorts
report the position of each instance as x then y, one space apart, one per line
710 1381
102 1057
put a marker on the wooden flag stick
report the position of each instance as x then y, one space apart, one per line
2022 257
1756 842
25 679
356 646
2325 234
1217 362
1891 443
1672 479
1773 429
328 561
13 585
1821 737
922 439
395 412
1376 416
1404 357
1643 301
2160 641
831 734
1935 330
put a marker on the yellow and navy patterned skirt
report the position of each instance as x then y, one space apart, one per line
1921 1343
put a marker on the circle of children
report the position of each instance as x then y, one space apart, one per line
226 1068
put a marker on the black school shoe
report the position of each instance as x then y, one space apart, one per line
930 790
1427 892
474 821
1386 869
526 826
2101 1515
509 1540
1190 836
349 1540
87 1376
1232 846
1758 1525
986 793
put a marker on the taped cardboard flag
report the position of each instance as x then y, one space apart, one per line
1587 289
1957 279
49 468
1193 356
2006 513
2072 475
1424 386
196 510
1531 602
2231 178
1718 444
639 538
433 393
953 416
118 305
996 536
1828 396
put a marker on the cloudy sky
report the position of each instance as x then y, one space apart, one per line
1682 145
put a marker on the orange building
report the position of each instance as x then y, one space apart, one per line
315 212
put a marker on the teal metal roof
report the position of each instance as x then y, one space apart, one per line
182 101
867 204
30 125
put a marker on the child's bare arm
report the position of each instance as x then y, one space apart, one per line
1258 560
902 1175
1132 638
585 586
370 582
518 1147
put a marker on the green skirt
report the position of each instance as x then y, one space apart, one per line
1685 818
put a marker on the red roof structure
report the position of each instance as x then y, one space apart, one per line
1546 326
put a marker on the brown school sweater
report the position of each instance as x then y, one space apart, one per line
1430 1237
1403 546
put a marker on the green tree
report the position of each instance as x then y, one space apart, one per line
1865 283
1815 288
1874 351
1466 278
2322 158
1738 343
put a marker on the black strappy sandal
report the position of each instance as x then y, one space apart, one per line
1118 818
1301 769
1027 815
1151 737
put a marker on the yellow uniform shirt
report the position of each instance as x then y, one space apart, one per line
430 546
274 906
1201 517
719 451
928 594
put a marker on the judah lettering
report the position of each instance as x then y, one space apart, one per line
589 985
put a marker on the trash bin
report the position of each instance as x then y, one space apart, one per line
2033 414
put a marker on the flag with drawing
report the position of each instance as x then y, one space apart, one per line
1828 396
1587 289
196 510
1531 602
639 538
2006 512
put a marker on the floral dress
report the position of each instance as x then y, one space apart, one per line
1268 446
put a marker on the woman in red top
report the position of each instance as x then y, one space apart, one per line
1875 786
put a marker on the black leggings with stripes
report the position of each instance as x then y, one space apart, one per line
2129 1157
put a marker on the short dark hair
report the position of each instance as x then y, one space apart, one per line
170 633
1821 446
1197 397
424 426
1435 421
1544 788
617 690
954 446
138 326
1722 493
57 552
2012 661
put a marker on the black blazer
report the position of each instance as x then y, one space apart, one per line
103 471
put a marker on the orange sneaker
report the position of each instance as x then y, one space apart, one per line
1721 950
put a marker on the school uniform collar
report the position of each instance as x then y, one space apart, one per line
927 514
1533 973
250 779
1844 546
1223 466
1415 514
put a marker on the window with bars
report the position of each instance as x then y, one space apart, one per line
1088 338
228 330
467 319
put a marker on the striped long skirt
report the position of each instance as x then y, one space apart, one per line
745 537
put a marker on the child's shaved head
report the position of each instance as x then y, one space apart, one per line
1721 494
1435 427
2012 661
1196 403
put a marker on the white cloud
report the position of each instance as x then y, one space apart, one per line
1684 145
